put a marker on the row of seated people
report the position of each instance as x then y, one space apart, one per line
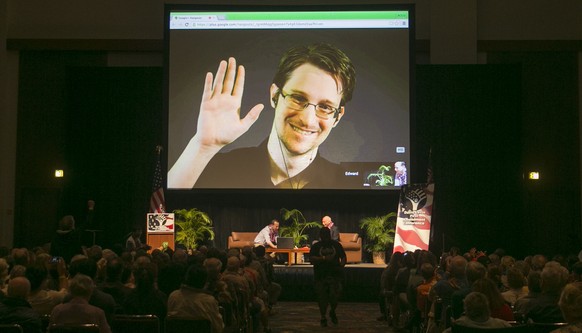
422 294
233 290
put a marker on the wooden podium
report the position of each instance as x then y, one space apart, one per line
160 229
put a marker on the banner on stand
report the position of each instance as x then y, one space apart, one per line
414 217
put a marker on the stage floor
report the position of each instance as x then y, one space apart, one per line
361 283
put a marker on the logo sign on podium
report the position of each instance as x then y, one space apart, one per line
160 222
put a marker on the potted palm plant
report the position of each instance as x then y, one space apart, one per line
380 232
194 225
298 227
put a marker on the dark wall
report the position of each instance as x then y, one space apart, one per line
104 123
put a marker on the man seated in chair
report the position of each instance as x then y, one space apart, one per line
477 314
193 302
78 310
15 309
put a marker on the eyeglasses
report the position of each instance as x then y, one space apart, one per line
299 103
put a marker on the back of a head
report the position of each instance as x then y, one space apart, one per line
233 264
81 286
213 267
551 279
20 256
458 266
259 251
427 271
114 269
477 306
515 278
571 302
95 252
36 275
538 262
247 251
475 271
145 277
408 259
3 270
180 256
324 56
488 288
18 287
67 223
196 277
534 281
83 266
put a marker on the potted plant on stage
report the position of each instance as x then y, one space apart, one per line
298 227
195 227
380 232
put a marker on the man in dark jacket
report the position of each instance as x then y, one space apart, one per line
15 309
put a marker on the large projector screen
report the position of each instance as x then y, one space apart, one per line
275 97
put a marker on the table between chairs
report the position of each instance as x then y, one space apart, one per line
292 253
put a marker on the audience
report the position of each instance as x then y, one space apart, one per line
33 283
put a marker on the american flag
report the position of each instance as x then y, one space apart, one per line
157 200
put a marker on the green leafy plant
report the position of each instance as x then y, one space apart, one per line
382 179
380 231
194 227
298 227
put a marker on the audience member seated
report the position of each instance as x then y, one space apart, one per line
15 309
273 288
387 281
113 285
3 275
571 306
85 266
192 301
221 290
474 271
497 305
534 291
78 310
477 313
145 298
42 299
428 281
516 283
544 308
444 289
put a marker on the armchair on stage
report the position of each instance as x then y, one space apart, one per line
352 243
238 240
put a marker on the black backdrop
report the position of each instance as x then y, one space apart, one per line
110 122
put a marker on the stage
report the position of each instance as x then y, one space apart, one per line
361 283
